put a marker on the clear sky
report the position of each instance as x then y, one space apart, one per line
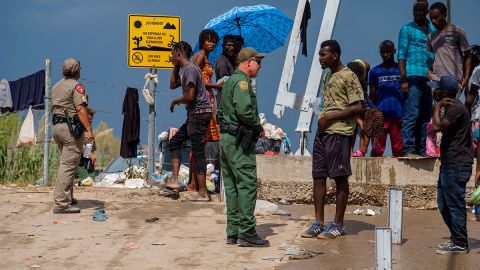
95 32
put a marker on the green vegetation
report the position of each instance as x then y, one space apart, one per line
24 165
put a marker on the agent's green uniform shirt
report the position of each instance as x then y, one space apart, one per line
239 168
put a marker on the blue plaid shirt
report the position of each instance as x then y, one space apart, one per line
412 47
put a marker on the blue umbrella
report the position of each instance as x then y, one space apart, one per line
262 27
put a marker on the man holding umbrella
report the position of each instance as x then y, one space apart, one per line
240 128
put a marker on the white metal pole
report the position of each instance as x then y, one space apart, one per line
316 71
395 214
383 248
46 139
290 59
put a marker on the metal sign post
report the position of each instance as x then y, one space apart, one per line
383 248
46 139
150 41
395 214
151 126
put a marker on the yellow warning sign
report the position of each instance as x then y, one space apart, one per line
150 40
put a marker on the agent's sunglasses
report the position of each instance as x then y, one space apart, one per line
258 60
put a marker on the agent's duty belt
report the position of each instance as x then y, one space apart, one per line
229 128
58 119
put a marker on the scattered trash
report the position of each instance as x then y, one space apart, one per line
55 221
35 266
158 244
87 182
304 254
368 212
284 202
132 245
281 212
358 212
293 250
134 183
37 225
210 186
265 208
272 258
99 215
152 219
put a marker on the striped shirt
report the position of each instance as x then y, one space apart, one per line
412 47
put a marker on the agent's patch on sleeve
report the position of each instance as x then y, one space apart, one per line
243 85
85 99
80 89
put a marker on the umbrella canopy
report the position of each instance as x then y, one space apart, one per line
262 27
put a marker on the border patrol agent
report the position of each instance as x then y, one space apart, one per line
69 119
240 128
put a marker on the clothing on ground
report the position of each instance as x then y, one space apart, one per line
28 91
131 124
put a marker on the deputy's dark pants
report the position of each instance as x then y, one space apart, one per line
193 129
239 170
451 200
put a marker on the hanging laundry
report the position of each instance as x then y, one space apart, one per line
303 27
5 96
131 124
28 91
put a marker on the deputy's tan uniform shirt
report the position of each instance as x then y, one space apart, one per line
66 94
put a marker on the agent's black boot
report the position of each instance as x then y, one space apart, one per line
232 239
252 241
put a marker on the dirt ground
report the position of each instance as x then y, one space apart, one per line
192 235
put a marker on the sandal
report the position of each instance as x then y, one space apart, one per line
179 187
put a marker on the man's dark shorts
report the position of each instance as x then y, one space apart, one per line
331 156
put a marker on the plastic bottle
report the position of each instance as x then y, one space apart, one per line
88 150
317 105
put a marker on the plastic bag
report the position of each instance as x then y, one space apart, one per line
27 132
475 198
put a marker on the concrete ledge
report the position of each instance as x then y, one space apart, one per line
289 177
